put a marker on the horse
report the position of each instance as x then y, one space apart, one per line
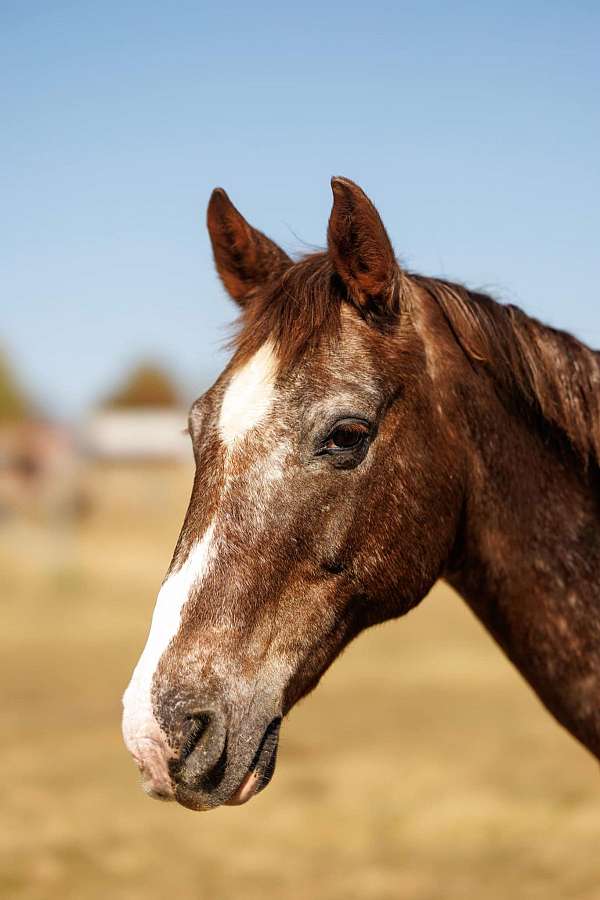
374 431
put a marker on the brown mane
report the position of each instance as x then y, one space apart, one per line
550 370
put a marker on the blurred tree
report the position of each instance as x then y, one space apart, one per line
147 386
14 405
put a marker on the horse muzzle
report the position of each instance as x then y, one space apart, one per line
215 764
216 767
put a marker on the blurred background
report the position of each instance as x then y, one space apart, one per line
422 767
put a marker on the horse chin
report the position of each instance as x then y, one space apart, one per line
255 779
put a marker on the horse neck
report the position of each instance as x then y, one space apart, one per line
528 560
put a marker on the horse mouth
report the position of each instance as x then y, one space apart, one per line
262 767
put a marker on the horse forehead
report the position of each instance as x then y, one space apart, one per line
249 396
253 388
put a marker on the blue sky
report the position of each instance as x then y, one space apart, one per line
474 128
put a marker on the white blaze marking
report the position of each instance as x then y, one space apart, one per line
138 717
246 402
249 396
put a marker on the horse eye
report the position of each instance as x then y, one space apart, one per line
347 436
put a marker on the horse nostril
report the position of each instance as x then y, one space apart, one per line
198 723
203 750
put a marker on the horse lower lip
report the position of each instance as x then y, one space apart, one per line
246 790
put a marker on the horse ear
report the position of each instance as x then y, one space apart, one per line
361 251
245 258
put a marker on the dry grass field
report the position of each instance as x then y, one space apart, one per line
421 768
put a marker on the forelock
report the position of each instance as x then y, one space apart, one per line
295 313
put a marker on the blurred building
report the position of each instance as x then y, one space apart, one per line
47 468
136 435
143 420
